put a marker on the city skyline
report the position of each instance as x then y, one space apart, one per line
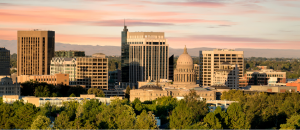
216 24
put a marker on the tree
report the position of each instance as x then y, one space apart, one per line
72 95
292 123
97 92
41 122
62 121
232 95
237 117
77 90
127 93
6 114
146 121
182 116
24 116
212 121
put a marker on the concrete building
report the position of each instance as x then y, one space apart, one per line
261 77
276 89
65 66
116 92
4 61
57 101
7 87
69 54
143 55
49 79
92 71
212 60
35 51
295 83
227 75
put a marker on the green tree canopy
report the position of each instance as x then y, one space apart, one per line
41 122
97 92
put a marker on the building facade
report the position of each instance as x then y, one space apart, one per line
294 83
7 87
4 61
69 54
65 66
197 69
92 71
57 101
144 54
35 51
212 60
261 77
276 89
55 79
227 75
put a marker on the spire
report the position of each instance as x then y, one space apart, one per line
184 51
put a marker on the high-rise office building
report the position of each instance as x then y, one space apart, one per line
69 54
4 61
35 51
227 75
144 55
212 60
171 68
92 71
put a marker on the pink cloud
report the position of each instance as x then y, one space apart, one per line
189 3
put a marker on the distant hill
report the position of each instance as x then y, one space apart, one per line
116 50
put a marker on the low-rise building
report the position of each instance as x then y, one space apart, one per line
276 89
295 83
58 101
7 87
116 92
261 77
49 79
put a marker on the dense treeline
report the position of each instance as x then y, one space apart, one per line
288 65
42 89
258 111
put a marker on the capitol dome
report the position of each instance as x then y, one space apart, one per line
184 72
185 60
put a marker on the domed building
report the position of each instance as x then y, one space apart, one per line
184 73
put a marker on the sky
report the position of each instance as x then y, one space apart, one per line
260 24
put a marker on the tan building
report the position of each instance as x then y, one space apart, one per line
212 60
276 89
57 101
227 75
7 87
4 61
261 77
144 54
151 92
92 71
35 51
49 79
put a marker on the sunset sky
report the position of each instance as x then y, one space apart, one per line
273 24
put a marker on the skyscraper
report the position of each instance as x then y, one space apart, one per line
35 51
210 61
4 61
144 55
